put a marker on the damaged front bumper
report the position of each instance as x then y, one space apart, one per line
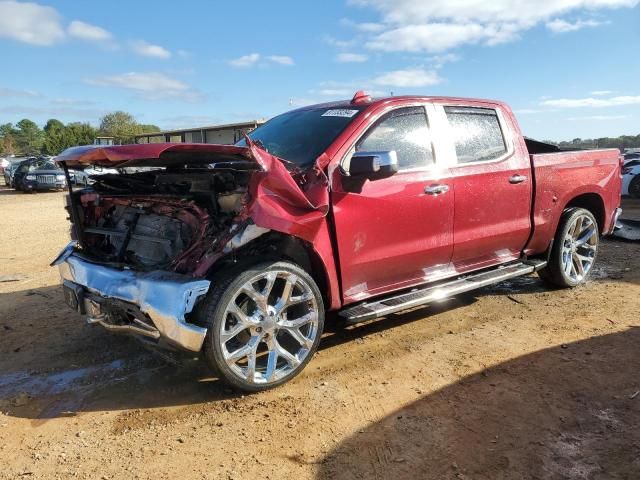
147 304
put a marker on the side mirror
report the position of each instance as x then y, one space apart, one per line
373 165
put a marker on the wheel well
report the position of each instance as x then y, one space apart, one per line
593 203
276 246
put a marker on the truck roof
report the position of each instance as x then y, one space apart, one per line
361 99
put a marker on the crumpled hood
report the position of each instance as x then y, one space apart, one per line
153 155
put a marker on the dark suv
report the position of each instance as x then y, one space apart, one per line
38 174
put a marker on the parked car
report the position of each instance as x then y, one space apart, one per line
38 174
365 208
4 163
7 172
631 178
84 177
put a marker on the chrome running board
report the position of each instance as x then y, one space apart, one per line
422 296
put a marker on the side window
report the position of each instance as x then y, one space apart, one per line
477 134
404 130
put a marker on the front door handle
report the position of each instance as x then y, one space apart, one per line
436 189
517 179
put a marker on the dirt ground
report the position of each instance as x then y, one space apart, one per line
511 382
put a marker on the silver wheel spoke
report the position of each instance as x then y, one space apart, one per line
585 235
272 361
578 264
271 278
298 322
299 337
243 351
289 284
254 295
235 330
300 299
292 360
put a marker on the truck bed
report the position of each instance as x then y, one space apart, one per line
561 176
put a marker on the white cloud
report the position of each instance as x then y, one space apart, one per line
592 102
30 23
351 58
336 92
439 37
439 25
562 26
438 61
13 93
86 31
599 118
497 11
599 93
527 111
335 42
150 85
254 59
281 59
245 60
301 102
149 50
411 77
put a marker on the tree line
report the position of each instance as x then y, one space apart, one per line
27 138
622 142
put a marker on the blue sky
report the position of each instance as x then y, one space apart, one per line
569 68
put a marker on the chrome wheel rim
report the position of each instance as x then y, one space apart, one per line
269 327
579 248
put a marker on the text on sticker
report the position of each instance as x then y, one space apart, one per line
340 112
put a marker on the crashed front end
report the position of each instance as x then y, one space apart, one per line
146 239
151 305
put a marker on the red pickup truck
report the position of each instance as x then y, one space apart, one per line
363 207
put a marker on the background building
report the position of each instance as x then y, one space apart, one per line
221 134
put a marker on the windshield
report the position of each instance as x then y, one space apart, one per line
301 136
36 165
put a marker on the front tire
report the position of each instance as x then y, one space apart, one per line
574 251
264 324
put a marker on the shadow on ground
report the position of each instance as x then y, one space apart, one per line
568 412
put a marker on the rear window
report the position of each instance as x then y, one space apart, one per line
477 134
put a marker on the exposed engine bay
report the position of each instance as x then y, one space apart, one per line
161 219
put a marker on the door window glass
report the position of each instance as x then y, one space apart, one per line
477 134
404 130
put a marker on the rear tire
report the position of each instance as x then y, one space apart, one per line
634 187
264 324
574 250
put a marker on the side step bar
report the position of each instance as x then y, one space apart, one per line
422 296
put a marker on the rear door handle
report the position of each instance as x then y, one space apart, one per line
517 179
436 189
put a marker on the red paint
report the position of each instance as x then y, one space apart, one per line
390 235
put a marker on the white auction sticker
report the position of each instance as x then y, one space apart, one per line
340 112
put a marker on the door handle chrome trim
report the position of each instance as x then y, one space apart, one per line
436 189
517 179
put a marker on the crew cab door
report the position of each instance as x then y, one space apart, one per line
492 180
397 231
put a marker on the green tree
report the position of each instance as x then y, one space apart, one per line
79 133
59 137
123 127
53 137
7 139
148 128
28 137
